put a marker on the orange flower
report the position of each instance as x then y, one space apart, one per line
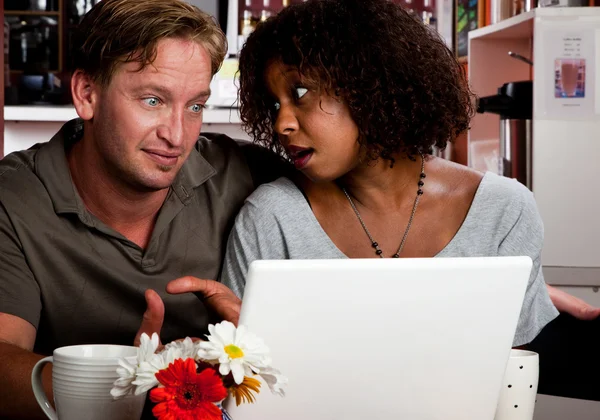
187 394
244 391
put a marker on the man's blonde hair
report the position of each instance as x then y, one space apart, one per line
120 31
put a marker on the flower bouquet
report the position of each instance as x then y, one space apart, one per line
190 380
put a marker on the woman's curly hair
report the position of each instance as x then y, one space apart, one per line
404 88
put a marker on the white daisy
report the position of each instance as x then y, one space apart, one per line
146 373
147 347
128 371
275 380
236 350
123 385
187 347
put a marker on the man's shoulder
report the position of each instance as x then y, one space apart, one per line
225 153
17 170
16 164
217 143
23 195
222 153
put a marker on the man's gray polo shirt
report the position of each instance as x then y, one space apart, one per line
77 280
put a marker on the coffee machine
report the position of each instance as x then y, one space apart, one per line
514 104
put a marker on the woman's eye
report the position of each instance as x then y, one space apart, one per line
300 92
196 108
152 101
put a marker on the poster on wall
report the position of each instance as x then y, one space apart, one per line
569 63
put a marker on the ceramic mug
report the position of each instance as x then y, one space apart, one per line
82 377
519 387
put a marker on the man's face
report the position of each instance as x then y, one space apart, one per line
145 123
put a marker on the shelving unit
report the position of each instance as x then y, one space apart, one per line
58 15
519 26
67 14
565 146
30 13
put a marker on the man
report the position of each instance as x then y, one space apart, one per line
123 200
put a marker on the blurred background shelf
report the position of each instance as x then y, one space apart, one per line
516 27
30 13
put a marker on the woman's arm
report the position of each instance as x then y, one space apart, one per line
572 305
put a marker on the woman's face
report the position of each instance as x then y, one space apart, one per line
316 129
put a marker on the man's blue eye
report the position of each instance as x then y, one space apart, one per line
196 108
152 101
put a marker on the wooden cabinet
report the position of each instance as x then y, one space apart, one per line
38 36
35 39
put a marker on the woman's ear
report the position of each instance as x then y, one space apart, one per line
84 91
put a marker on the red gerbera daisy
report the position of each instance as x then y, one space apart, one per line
187 394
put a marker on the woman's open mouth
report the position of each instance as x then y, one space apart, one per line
300 155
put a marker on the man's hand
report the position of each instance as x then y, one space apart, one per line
215 295
572 305
153 318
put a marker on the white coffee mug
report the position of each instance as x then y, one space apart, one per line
519 387
82 377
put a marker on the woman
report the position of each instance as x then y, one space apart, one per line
356 93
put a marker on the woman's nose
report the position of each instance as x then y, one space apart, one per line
286 122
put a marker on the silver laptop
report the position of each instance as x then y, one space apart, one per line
409 339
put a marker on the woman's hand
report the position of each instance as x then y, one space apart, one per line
572 305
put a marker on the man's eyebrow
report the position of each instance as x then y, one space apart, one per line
203 95
154 88
165 92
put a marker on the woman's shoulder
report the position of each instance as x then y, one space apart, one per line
502 213
487 190
281 193
493 204
501 204
504 193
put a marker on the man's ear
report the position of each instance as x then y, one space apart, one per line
84 91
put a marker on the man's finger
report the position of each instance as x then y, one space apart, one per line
227 309
154 316
189 284
216 296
